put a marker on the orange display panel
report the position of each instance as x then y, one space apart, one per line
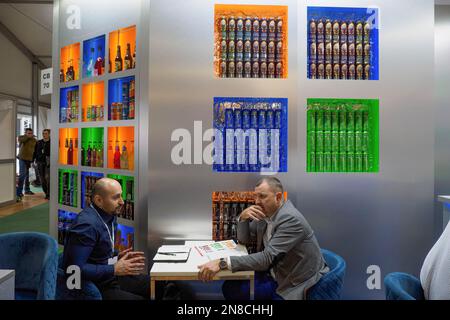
122 49
269 23
68 146
93 101
70 63
121 148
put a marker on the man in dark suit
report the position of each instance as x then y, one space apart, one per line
288 260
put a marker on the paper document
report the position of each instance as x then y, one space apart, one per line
221 249
172 254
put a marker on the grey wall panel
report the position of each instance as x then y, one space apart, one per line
383 219
442 113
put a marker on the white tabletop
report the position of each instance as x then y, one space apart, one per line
6 274
445 199
190 268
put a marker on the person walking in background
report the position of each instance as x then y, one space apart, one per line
42 158
27 144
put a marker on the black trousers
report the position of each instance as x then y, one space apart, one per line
126 288
44 176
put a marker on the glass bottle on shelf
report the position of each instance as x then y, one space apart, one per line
90 66
124 158
94 156
70 153
128 60
61 75
83 155
88 155
99 64
117 157
100 155
133 65
118 63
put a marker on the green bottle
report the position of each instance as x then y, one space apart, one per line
350 162
335 162
327 161
319 162
343 162
319 141
358 162
312 162
350 131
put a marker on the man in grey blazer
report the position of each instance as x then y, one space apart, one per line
288 260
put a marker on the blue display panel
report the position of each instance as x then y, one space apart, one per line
124 238
88 180
69 104
121 99
94 57
65 219
250 135
343 43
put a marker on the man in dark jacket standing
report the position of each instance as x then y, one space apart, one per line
42 158
27 144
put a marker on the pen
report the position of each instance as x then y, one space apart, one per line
167 253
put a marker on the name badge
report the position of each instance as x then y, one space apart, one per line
112 261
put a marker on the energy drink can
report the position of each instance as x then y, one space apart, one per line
359 53
271 52
319 162
329 71
239 69
311 113
312 161
321 71
327 141
263 55
336 29
279 70
312 140
367 53
358 162
335 162
248 29
350 162
231 51
327 161
313 71
272 29
328 53
319 141
328 31
223 50
343 161
248 70
279 55
255 70
342 141
239 50
344 53
351 53
344 72
256 29
359 72
231 69
313 30
319 120
320 31
359 32
263 69
223 69
367 72
366 166
232 29
247 51
255 53
344 32
271 70
240 29
336 53
279 29
351 32
367 28
337 71
223 27
313 52
264 28
321 52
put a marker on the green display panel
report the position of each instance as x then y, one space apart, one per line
68 187
92 154
127 184
342 135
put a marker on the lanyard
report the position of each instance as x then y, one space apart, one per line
111 237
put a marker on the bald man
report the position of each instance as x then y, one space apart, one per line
90 245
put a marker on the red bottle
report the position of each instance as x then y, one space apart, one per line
70 153
117 158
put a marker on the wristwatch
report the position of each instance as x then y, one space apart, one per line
223 265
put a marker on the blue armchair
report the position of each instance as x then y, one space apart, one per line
403 286
330 285
88 291
34 257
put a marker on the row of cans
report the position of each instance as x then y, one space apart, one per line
340 71
251 28
339 53
339 31
340 119
94 113
257 51
339 162
338 141
256 116
251 70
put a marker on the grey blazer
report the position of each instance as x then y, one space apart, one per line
293 252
